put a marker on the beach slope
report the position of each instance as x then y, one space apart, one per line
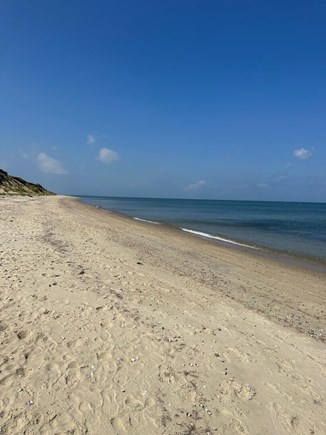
113 326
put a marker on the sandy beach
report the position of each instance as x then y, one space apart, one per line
110 326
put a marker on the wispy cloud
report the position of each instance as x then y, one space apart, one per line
23 154
273 180
90 139
281 177
49 164
302 153
93 138
106 155
197 185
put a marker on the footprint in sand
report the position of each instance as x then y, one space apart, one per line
244 357
244 391
133 403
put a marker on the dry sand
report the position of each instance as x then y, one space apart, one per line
113 326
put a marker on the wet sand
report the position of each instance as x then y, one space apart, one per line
110 325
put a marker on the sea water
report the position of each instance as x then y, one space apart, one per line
293 228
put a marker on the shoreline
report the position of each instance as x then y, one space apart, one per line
109 326
308 263
236 255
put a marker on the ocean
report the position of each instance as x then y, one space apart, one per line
291 228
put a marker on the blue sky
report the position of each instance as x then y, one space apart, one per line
220 99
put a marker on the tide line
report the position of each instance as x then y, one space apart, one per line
210 236
145 220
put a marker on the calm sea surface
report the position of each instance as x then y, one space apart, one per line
292 228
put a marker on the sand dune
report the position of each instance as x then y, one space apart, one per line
113 326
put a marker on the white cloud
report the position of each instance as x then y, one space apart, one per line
91 139
197 185
49 164
302 153
263 185
106 155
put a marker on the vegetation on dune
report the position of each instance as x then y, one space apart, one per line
10 185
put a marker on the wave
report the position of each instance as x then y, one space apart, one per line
210 236
145 220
